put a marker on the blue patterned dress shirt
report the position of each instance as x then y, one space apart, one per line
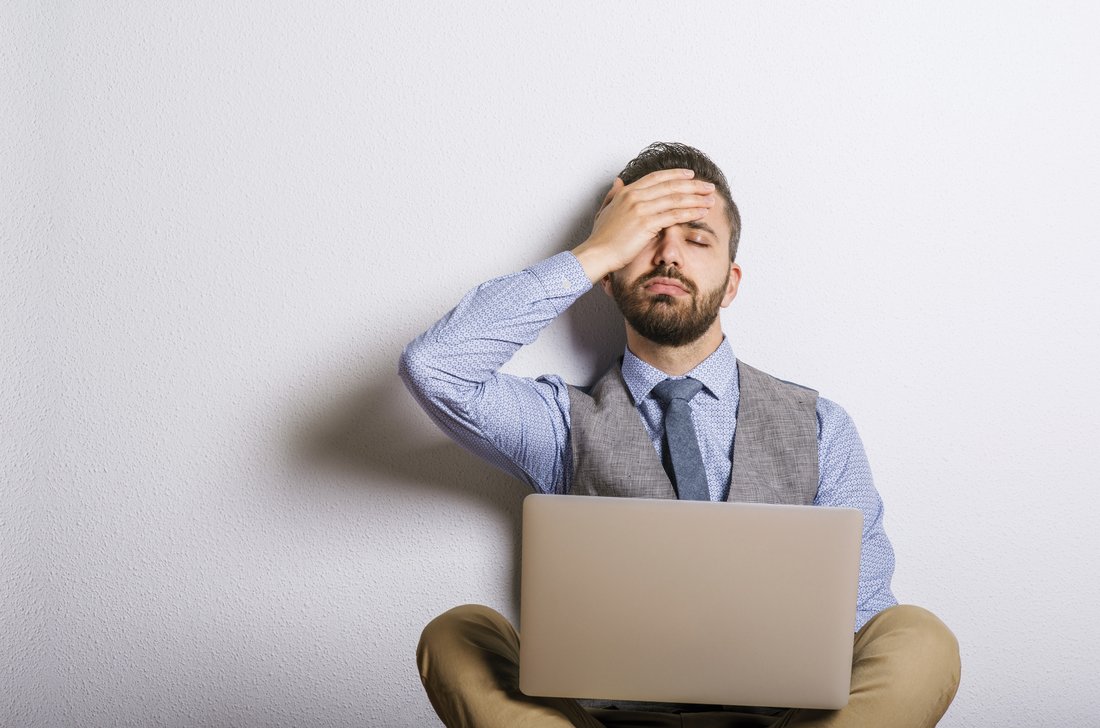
522 425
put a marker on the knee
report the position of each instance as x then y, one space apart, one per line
930 631
462 626
928 642
461 617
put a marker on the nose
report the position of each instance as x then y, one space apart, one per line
669 249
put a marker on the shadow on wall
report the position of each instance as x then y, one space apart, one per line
377 430
373 433
596 333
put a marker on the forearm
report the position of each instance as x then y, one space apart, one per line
491 322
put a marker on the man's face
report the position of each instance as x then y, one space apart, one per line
672 292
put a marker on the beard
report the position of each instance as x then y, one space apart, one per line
662 318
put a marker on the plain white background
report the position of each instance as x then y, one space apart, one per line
221 223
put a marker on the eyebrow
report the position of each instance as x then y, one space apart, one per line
700 225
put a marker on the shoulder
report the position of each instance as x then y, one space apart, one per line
828 409
767 386
836 432
610 383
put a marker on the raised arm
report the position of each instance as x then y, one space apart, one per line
453 369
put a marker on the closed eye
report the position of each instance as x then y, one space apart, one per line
701 233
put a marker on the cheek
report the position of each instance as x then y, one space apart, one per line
633 270
712 265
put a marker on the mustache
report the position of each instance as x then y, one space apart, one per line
667 271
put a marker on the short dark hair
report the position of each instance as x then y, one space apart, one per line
673 155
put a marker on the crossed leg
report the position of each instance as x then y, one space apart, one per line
905 671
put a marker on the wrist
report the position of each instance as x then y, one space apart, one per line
593 261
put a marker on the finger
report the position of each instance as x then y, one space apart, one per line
679 216
662 175
672 187
665 203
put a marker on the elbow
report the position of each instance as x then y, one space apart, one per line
433 387
412 368
435 378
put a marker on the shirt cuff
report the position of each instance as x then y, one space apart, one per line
561 277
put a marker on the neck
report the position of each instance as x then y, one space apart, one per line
674 361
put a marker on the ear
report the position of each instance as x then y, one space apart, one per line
732 285
605 284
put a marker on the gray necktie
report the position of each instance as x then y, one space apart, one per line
682 460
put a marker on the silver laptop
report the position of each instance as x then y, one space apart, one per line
630 599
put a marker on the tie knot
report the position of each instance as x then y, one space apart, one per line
671 389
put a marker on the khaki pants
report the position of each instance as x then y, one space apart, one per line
905 671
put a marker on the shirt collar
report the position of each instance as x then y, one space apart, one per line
718 373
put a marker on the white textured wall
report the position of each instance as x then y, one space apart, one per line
222 221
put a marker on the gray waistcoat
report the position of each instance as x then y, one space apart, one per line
774 451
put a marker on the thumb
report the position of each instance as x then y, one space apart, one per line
617 185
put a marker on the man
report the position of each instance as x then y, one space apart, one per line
663 244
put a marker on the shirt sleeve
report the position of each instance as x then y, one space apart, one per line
519 424
845 481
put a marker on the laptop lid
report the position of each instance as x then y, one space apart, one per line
672 601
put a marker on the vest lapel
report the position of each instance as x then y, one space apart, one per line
612 453
775 442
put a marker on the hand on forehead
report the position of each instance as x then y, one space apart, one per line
677 183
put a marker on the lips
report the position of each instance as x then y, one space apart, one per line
666 286
667 281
